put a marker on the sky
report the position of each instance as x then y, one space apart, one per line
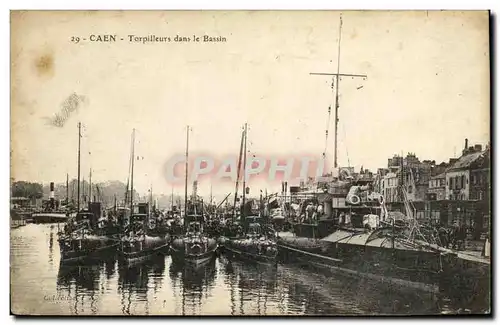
427 89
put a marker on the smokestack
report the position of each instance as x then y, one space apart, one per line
52 196
466 144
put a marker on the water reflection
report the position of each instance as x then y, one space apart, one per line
82 283
51 245
250 286
194 283
137 280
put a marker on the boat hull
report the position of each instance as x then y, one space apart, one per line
76 249
49 217
140 250
195 251
400 267
254 250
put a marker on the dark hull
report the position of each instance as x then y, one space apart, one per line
49 217
97 251
253 250
405 268
194 250
179 256
149 249
242 254
468 283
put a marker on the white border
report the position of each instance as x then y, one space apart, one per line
150 5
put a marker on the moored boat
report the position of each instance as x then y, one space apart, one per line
79 241
255 245
249 240
194 246
137 243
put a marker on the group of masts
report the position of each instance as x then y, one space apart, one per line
129 195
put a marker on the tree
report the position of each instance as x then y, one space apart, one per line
27 189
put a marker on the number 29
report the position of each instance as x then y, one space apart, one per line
75 39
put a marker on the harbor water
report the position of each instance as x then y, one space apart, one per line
40 285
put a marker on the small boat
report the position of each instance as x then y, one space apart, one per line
79 241
249 240
140 239
138 243
194 246
257 244
81 238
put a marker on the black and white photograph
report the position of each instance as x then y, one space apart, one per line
250 163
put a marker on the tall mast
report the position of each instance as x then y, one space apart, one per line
132 174
172 200
238 175
336 81
187 166
151 196
90 186
78 181
67 189
244 171
211 196
337 96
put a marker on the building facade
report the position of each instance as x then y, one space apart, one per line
409 173
437 188
469 177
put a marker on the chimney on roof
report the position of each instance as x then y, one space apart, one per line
466 144
478 148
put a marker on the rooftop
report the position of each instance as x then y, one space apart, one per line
467 160
440 176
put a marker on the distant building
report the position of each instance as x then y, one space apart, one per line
390 188
408 172
457 192
437 187
468 178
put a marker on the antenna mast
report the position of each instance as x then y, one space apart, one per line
90 186
67 190
337 96
244 172
186 181
336 79
132 174
238 175
78 190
